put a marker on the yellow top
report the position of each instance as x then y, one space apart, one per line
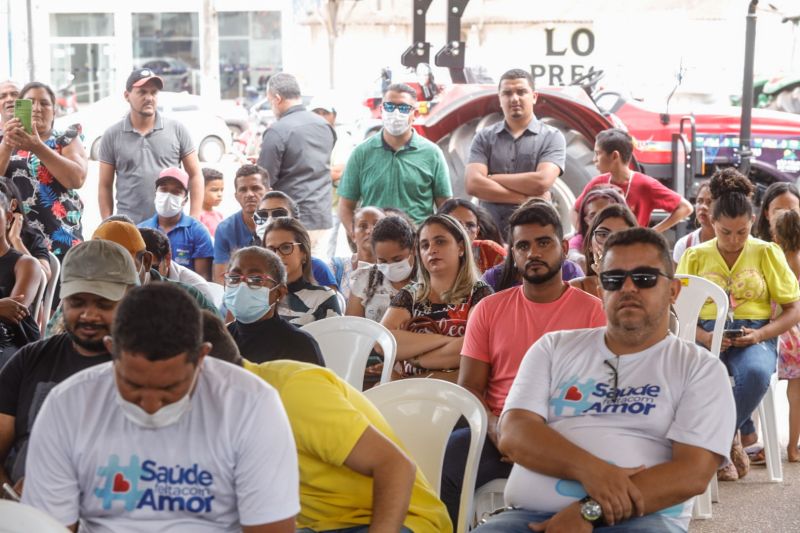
759 276
328 416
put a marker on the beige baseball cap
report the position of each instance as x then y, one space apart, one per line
98 267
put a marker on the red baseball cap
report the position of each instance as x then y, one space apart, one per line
175 173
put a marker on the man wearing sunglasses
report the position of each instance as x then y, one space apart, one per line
395 168
516 158
617 425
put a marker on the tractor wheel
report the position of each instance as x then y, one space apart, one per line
578 172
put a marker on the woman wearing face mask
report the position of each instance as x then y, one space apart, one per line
189 239
753 273
364 257
706 230
482 230
374 287
276 204
254 284
48 167
612 219
305 301
428 318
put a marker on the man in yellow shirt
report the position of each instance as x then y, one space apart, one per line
354 475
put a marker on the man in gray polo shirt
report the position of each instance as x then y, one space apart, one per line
138 148
517 158
296 151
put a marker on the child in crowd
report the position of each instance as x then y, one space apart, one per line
189 239
343 268
787 235
704 231
212 197
484 236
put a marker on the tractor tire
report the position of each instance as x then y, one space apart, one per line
578 172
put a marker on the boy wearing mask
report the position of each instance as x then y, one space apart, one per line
189 239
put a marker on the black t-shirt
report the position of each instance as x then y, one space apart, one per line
35 242
273 339
26 380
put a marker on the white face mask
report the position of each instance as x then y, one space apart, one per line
168 205
395 123
166 416
396 272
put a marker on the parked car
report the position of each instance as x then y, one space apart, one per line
209 132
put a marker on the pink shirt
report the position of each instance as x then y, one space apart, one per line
503 326
211 220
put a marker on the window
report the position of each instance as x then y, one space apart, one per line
249 51
168 43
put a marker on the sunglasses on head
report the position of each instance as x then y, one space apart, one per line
405 109
642 277
262 215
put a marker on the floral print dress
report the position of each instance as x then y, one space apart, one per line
49 206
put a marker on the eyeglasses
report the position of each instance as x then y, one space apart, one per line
254 282
642 277
601 234
614 383
284 249
262 215
389 107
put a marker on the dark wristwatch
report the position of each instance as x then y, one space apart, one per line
591 510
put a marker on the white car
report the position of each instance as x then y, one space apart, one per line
210 134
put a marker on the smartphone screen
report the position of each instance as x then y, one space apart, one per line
733 333
22 111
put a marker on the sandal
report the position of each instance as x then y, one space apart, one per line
727 473
757 457
740 459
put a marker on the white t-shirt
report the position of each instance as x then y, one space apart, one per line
673 391
189 277
229 461
377 305
687 241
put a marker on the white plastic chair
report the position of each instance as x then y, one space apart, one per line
21 518
488 498
694 293
217 293
422 412
50 289
346 342
36 306
769 431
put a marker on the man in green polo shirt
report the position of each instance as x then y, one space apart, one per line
397 168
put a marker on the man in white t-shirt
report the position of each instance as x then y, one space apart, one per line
163 438
618 425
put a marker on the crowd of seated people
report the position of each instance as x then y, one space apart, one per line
174 387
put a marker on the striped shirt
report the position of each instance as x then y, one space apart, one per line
308 303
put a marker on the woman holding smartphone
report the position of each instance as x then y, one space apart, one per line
753 273
48 167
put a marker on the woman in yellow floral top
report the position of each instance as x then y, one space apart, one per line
753 273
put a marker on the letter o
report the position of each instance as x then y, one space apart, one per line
576 36
195 504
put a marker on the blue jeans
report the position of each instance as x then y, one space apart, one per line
517 520
455 461
751 368
354 529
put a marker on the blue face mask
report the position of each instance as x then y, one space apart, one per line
245 304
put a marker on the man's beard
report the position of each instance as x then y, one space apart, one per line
90 345
538 279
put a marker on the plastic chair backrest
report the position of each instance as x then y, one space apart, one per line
50 290
694 293
346 342
422 412
21 518
37 302
217 293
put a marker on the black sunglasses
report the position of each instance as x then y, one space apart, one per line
642 277
389 107
262 215
614 384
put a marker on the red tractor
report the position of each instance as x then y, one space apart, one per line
680 150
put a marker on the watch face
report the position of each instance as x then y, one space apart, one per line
591 510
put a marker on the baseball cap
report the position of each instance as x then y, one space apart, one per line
174 172
98 267
323 104
122 233
140 76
